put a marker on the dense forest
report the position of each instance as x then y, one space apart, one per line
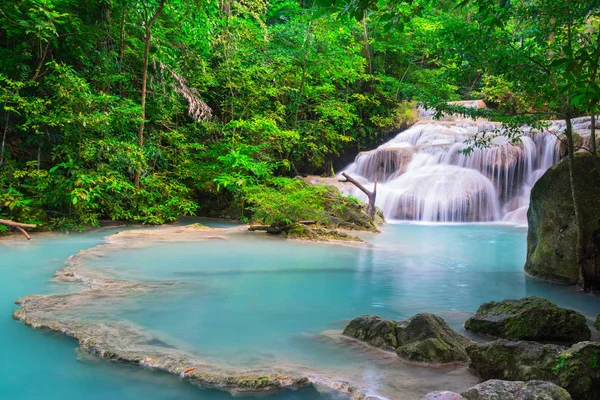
146 110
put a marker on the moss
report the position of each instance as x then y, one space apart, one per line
197 226
530 318
319 234
551 238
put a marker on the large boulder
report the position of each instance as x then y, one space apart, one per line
374 330
422 338
506 390
516 390
575 369
530 318
552 235
428 338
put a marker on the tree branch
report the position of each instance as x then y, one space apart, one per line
16 225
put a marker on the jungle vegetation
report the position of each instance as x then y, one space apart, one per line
146 110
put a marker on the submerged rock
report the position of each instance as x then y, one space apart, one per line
576 369
552 235
422 338
530 318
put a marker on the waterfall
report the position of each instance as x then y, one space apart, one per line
424 176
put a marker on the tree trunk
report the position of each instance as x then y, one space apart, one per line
18 226
370 195
366 46
4 138
147 37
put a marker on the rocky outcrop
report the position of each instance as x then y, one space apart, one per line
506 390
422 338
575 369
530 318
551 238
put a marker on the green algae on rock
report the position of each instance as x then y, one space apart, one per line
552 235
423 338
374 330
428 338
575 369
530 318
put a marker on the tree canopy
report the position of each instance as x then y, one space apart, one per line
146 110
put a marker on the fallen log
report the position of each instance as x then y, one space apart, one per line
18 226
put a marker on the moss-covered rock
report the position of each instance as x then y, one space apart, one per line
506 390
551 238
348 213
376 331
428 338
530 318
319 234
422 338
597 323
516 390
576 369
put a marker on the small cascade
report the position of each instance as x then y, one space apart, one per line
423 175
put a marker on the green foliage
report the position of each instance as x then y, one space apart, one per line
244 95
283 201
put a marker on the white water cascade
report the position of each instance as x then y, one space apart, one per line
423 176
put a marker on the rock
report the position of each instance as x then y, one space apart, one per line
422 338
374 330
516 390
444 395
530 318
597 323
520 361
346 213
428 338
575 369
551 238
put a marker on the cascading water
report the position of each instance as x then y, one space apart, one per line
424 176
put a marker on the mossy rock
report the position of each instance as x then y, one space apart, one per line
530 318
575 369
428 338
319 234
347 213
552 235
495 389
422 338
374 330
597 323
